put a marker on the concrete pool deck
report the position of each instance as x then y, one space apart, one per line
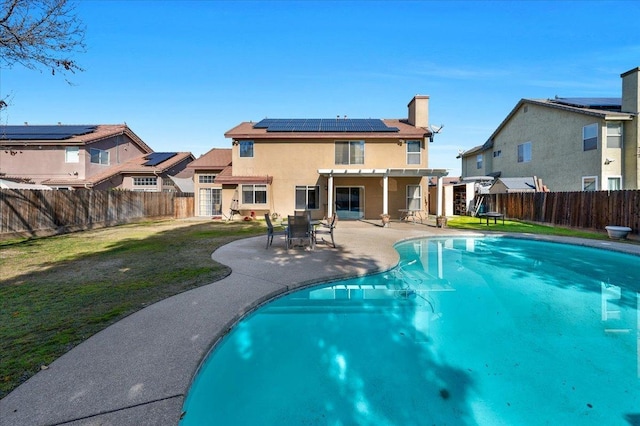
138 371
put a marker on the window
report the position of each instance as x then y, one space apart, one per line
99 156
206 178
72 154
307 197
254 194
497 154
413 152
590 183
350 152
246 148
614 135
590 137
167 181
614 183
145 181
210 201
524 152
479 161
414 197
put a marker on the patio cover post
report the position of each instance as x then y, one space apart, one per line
330 196
439 197
385 194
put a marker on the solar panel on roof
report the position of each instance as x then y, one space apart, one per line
49 132
597 103
357 125
156 158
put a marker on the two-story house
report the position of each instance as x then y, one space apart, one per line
358 168
86 156
572 144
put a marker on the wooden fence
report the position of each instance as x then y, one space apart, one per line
50 212
588 209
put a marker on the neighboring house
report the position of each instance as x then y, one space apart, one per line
572 144
209 172
359 168
86 156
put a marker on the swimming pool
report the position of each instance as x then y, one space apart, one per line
465 331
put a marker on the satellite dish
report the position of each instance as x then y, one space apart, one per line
434 130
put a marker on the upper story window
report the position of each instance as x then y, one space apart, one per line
479 161
99 156
145 181
614 134
307 197
524 152
413 152
246 148
590 137
497 154
349 152
254 194
72 154
206 178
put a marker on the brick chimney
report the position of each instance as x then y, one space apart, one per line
631 91
419 110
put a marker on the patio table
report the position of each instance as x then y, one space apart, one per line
413 214
489 215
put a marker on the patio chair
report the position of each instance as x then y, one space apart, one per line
299 228
270 230
327 228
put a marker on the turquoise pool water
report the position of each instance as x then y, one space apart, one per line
465 331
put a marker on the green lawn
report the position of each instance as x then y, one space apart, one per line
473 223
56 292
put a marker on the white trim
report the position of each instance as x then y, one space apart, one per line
383 172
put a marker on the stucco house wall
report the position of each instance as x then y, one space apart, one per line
557 153
293 163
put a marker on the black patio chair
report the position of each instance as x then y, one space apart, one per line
327 228
270 230
299 228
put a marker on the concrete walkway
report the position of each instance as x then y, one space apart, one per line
137 371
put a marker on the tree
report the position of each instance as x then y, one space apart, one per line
40 33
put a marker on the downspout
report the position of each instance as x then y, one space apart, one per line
330 195
385 193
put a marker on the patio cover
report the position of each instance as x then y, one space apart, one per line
384 174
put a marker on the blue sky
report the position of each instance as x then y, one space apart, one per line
182 73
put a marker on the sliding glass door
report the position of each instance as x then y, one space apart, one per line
350 202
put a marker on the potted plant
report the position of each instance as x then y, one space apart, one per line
385 220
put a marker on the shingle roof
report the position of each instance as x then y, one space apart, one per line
217 158
100 132
551 103
225 177
133 166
